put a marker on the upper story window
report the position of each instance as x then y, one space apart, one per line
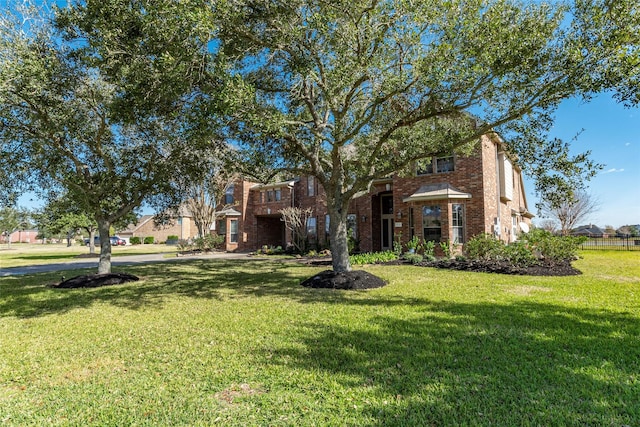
274 195
444 164
228 194
437 164
311 187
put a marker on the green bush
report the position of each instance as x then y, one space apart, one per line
519 254
428 249
148 240
484 247
184 245
553 249
209 242
135 240
373 258
413 258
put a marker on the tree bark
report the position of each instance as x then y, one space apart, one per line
338 232
104 265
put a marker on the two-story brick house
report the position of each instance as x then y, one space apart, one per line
451 199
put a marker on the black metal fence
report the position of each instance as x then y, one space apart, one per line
612 244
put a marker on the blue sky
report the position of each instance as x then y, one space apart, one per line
612 133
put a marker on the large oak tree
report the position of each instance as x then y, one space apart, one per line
353 90
100 106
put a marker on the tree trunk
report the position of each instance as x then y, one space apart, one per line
338 231
92 242
104 265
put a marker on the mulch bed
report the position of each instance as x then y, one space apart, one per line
562 269
356 279
96 280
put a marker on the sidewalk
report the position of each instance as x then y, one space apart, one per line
115 262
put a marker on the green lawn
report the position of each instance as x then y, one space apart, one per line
241 343
30 254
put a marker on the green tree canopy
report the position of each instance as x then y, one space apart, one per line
84 112
351 91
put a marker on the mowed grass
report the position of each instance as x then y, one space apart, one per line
21 254
237 343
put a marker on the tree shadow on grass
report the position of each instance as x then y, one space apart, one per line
31 295
481 364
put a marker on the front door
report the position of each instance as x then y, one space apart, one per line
386 205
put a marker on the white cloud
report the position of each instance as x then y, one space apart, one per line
613 170
627 144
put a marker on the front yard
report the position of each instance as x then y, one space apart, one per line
241 343
22 254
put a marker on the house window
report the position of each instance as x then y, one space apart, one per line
270 196
222 227
277 194
457 212
312 229
431 223
262 197
311 188
233 231
228 195
444 164
425 167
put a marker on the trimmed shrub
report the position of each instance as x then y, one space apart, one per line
553 249
413 258
135 240
484 247
148 240
208 242
373 258
519 254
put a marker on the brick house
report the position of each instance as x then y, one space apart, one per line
452 199
22 236
182 226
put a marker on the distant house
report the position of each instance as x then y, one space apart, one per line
22 236
589 231
182 226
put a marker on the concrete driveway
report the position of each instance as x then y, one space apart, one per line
115 262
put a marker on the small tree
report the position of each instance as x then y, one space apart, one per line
206 194
12 220
575 208
628 230
296 219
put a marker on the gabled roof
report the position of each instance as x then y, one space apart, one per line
436 192
131 228
588 230
228 212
